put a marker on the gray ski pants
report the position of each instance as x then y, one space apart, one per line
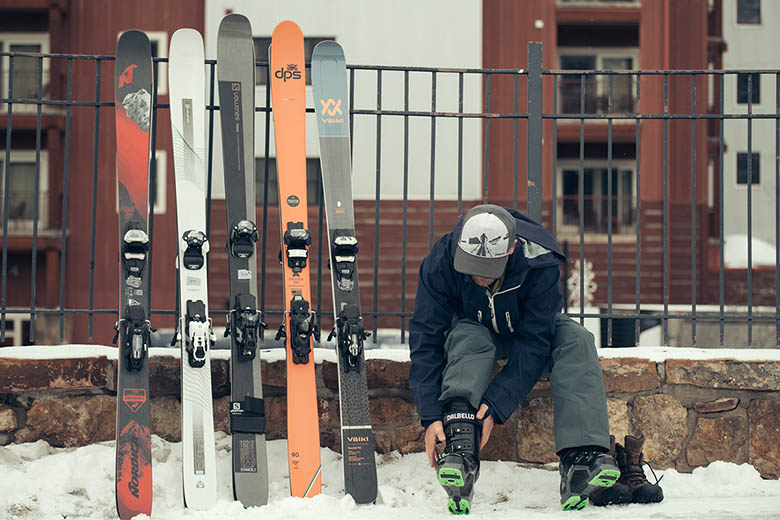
576 380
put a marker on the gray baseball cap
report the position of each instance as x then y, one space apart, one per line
487 236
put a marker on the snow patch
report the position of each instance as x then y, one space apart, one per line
735 252
44 482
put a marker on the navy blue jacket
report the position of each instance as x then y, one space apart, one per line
524 307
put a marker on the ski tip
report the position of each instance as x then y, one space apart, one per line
237 24
328 49
287 27
186 35
133 36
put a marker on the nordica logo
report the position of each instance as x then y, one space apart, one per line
331 108
126 76
135 470
291 72
360 438
460 415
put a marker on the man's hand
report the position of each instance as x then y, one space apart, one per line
434 432
487 424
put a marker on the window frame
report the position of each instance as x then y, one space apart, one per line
161 171
620 165
747 24
755 169
161 78
601 81
160 205
161 38
28 156
755 84
22 38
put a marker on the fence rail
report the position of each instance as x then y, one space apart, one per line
577 135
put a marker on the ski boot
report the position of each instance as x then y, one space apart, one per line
619 493
631 459
583 471
458 466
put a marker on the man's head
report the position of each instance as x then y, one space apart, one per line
486 240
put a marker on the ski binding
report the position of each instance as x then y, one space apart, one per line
345 248
297 239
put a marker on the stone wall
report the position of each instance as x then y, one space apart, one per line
692 412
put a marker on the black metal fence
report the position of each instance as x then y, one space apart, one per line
589 204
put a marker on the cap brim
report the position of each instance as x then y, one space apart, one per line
477 266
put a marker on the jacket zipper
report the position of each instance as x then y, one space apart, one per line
509 322
493 309
479 315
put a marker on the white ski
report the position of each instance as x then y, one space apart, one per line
186 80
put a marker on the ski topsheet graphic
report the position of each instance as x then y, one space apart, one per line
236 74
288 93
133 108
329 79
186 80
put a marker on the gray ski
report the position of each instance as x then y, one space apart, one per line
329 80
236 74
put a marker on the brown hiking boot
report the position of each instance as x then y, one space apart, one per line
619 493
630 459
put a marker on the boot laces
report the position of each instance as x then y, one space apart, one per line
636 474
657 480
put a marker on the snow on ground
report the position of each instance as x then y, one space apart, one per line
41 482
394 352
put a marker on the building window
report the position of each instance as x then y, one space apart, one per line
742 168
585 2
17 330
159 42
25 69
313 180
21 189
596 214
597 87
159 179
158 182
754 90
749 11
261 55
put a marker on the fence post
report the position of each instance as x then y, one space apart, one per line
535 131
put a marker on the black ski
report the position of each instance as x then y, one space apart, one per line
330 98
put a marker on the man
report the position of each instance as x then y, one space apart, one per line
489 290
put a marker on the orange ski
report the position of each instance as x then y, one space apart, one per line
288 94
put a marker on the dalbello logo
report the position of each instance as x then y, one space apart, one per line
135 469
291 72
127 75
332 108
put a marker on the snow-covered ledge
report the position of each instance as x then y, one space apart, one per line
695 406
